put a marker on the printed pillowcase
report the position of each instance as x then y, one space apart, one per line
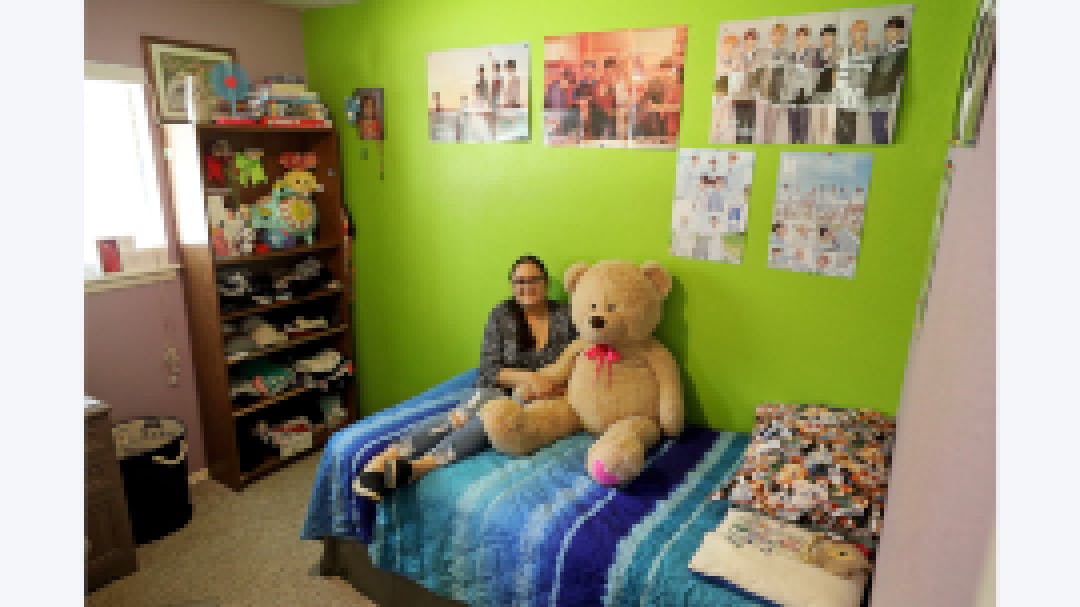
819 467
782 562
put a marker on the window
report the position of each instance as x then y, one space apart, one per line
121 198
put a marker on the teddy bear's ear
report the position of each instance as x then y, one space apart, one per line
658 276
573 274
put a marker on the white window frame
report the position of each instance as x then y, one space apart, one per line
163 272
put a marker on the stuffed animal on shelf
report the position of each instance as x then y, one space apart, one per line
288 214
217 163
623 384
248 167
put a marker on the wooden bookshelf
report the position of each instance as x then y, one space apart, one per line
318 440
273 400
223 424
286 345
262 309
276 255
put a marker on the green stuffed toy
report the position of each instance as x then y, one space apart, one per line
248 167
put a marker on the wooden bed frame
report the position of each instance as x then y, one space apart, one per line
349 560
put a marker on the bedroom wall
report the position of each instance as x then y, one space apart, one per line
127 330
436 236
940 515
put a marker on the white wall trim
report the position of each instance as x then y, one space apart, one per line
124 280
93 70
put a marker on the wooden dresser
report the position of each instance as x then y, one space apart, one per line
110 551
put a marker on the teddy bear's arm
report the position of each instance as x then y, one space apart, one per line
671 395
561 368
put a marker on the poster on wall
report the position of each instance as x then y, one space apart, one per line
819 210
614 89
479 95
977 72
364 110
712 197
820 78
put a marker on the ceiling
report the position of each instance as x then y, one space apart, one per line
302 4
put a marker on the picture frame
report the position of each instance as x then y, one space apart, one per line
364 109
167 62
109 255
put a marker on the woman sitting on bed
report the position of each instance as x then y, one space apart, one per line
523 334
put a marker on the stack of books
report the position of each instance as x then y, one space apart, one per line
285 101
280 100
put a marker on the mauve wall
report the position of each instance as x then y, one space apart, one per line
128 330
267 39
942 494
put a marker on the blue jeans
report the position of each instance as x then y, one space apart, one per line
452 435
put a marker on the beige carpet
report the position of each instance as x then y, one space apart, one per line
239 550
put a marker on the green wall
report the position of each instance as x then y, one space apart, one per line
436 237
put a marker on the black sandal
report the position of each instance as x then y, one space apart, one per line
370 485
396 473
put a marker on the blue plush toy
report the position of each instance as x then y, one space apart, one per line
288 214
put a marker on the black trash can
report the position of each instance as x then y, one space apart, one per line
153 461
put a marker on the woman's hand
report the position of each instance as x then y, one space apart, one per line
537 386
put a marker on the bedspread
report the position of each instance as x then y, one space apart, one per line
535 531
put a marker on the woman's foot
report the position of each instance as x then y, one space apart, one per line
375 484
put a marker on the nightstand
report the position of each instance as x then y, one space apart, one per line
110 551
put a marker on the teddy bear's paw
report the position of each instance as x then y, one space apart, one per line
613 465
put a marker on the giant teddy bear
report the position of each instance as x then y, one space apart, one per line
622 384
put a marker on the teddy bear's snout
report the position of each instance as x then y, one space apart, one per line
596 322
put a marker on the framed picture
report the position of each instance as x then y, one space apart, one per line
109 254
364 109
169 63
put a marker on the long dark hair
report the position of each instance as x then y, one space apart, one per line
525 340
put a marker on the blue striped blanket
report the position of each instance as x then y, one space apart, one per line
534 531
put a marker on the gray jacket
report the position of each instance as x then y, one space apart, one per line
501 350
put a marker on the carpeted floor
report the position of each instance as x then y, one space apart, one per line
239 550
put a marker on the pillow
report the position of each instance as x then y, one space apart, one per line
783 563
818 466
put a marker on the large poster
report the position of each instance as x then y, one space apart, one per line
821 78
479 95
818 215
712 198
614 89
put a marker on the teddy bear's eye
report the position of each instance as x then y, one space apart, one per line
611 307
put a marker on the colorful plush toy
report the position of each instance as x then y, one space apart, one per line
217 163
288 214
248 167
624 385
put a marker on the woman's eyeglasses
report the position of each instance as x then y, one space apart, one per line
520 282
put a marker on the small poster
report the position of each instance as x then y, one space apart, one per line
614 89
364 110
818 215
479 95
712 198
821 78
977 73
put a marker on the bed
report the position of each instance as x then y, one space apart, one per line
523 531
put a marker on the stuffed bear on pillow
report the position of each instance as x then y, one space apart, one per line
622 384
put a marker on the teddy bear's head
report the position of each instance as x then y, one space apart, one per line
844 559
616 302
